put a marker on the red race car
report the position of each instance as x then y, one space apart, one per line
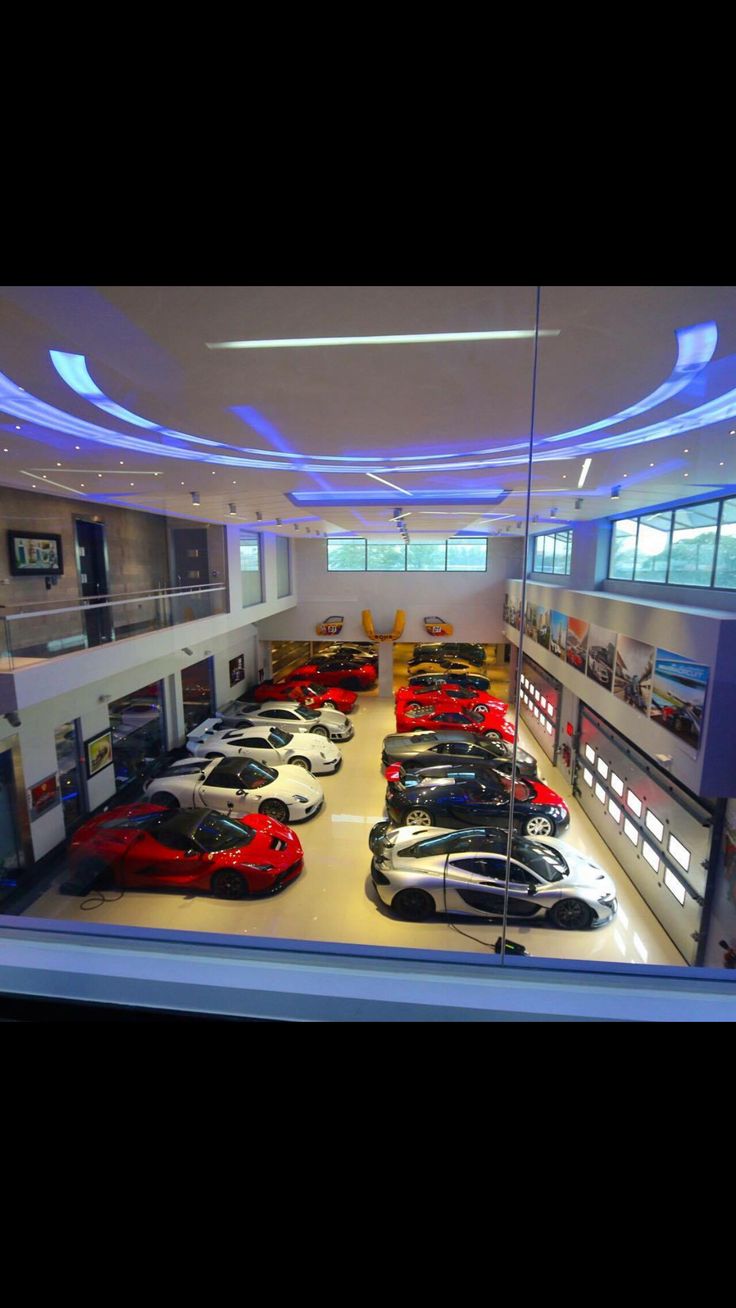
359 676
412 701
147 847
303 693
491 724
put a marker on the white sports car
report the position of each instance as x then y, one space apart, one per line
269 745
292 717
418 871
237 786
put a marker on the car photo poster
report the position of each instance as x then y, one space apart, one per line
542 622
678 695
577 643
634 670
558 633
601 655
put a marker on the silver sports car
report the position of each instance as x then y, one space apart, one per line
418 871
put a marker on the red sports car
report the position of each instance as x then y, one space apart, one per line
490 723
412 701
302 693
361 676
145 846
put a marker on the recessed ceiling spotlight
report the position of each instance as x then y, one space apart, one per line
651 465
17 428
564 476
122 463
686 474
77 447
626 474
720 465
132 483
100 474
58 465
686 451
733 432
4 450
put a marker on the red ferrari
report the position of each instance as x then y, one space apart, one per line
412 701
491 724
147 847
362 676
302 693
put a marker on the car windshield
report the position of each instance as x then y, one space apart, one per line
521 789
308 714
453 842
547 862
245 775
216 832
279 738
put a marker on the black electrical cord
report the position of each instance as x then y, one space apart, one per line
97 899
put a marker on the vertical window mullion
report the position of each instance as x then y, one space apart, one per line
718 544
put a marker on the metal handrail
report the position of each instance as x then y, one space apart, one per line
130 597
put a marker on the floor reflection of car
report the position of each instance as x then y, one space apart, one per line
418 872
598 667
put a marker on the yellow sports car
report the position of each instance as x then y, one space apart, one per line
450 665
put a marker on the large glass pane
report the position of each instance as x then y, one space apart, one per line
137 735
693 545
346 555
250 568
726 562
385 557
623 549
68 764
283 569
560 541
652 547
467 555
427 557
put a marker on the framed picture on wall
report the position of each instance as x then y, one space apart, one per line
237 669
35 554
43 796
99 752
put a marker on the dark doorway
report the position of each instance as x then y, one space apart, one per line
196 689
92 564
11 858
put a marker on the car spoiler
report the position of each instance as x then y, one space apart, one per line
208 727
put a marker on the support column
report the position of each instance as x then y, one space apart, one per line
386 669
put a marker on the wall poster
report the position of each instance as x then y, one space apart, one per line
558 633
678 695
632 681
577 643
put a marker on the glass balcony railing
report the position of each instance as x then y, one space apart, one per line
37 632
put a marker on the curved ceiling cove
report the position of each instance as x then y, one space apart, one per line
695 348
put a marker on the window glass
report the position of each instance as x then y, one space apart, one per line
467 555
631 831
679 852
561 555
346 555
386 557
652 547
600 792
650 854
549 728
250 568
67 762
283 567
623 548
675 886
634 802
602 768
694 545
137 724
588 776
614 810
617 784
590 754
726 561
654 824
426 557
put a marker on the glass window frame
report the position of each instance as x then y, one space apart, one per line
541 561
667 579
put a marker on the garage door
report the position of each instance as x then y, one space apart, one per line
539 702
659 833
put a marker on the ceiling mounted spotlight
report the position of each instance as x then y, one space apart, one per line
259 516
186 650
278 522
579 503
553 513
232 510
12 718
615 492
104 698
195 497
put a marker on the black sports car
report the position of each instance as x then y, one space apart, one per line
424 749
460 796
438 651
434 680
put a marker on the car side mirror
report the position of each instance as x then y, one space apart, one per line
531 889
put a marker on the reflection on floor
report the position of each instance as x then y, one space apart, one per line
334 899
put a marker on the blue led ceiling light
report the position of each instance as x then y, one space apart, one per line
316 499
695 348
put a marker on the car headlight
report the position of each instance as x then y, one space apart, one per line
300 799
607 899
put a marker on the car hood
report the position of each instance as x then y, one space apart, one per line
543 794
298 780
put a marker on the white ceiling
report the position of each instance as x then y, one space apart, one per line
147 349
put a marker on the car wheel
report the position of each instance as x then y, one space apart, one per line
274 808
320 731
494 736
227 884
481 709
330 703
572 915
300 762
413 708
166 800
413 905
539 826
418 817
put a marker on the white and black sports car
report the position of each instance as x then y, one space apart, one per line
291 717
235 785
269 745
419 871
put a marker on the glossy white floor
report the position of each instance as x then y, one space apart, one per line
334 899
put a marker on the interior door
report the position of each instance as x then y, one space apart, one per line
92 565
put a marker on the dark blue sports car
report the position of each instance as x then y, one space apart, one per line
458 796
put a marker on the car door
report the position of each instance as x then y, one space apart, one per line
224 791
477 883
259 748
172 860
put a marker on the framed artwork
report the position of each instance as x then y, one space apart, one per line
99 752
678 695
237 669
43 796
632 682
35 554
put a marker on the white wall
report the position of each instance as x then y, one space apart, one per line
471 601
